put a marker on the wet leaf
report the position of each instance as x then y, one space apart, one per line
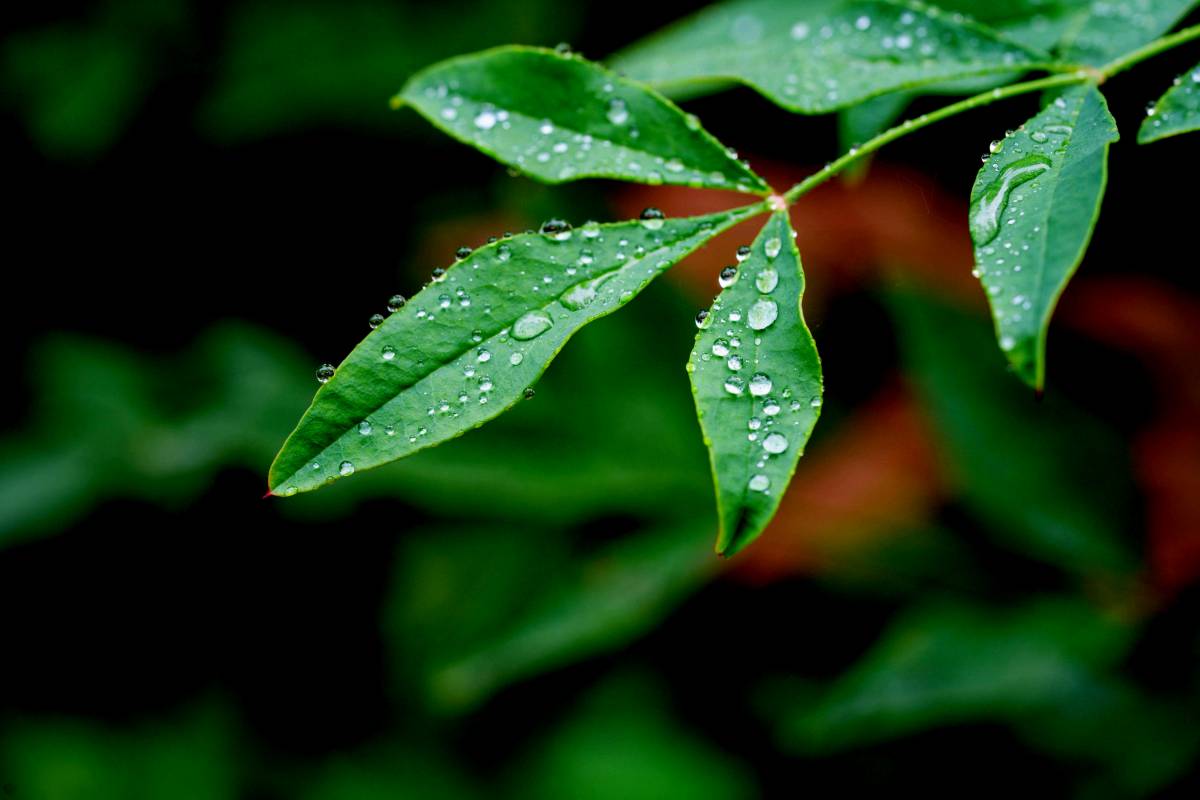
559 117
1176 112
1033 208
468 346
823 55
757 381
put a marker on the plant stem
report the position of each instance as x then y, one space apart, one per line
1149 51
925 120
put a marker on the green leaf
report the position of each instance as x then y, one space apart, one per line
944 664
757 381
559 117
1046 479
823 55
1176 112
469 344
1097 31
1033 208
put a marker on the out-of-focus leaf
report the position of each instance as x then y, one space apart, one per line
756 376
388 772
558 117
469 345
1097 31
947 664
526 616
823 55
78 88
193 758
623 745
1046 478
1176 112
354 54
1033 209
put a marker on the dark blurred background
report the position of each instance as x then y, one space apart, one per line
967 592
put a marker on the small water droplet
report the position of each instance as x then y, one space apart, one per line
528 393
618 113
727 277
735 385
760 384
652 219
743 253
325 372
557 229
720 348
462 253
771 407
389 353
483 356
439 275
703 319
772 247
375 321
734 363
759 483
516 358
485 120
346 468
395 303
364 428
815 402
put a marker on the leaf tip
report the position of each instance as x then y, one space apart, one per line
396 101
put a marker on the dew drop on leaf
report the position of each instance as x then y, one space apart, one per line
395 303
988 209
760 384
531 325
375 321
325 372
727 277
652 219
762 314
759 483
346 468
767 280
775 443
772 247
735 385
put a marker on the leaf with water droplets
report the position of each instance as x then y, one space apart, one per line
1097 31
816 57
559 117
466 347
1033 209
756 378
1178 111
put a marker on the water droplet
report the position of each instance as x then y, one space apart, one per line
800 31
988 209
364 428
483 356
618 114
762 314
772 247
1007 343
590 229
727 277
743 253
462 253
485 384
754 423
771 407
345 468
775 443
1039 137
652 219
485 120
389 353
767 280
815 402
503 252
325 372
720 348
557 229
735 385
862 23
395 303
439 275
289 491
734 363
995 147
375 321
703 319
516 358
760 384
759 483
583 294
528 393
532 324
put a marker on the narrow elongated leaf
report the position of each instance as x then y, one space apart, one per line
823 55
1176 112
468 345
756 377
558 117
1033 208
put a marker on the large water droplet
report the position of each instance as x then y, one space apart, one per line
767 280
720 348
395 303
557 229
618 113
759 483
583 294
346 468
775 443
652 219
727 277
760 384
743 253
533 324
988 209
703 318
735 385
762 314
772 247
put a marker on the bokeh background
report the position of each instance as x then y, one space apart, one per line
967 592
